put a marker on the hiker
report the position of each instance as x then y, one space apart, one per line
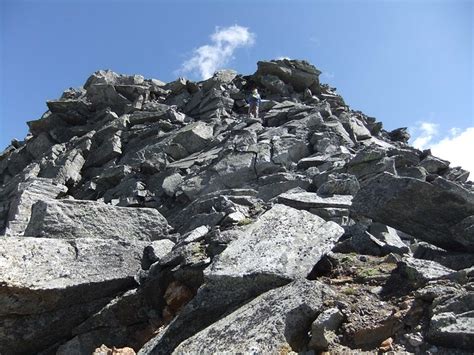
254 101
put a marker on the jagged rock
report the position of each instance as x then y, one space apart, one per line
451 260
299 74
39 145
78 219
275 184
27 194
434 165
110 148
355 126
419 272
400 135
324 327
392 242
194 136
49 286
452 319
308 200
282 245
339 184
116 324
425 210
155 251
288 312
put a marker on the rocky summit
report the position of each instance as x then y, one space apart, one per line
146 217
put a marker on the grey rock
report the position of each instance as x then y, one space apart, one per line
235 169
414 207
434 165
306 200
392 242
194 136
39 145
287 261
110 148
339 184
276 184
50 286
452 320
355 127
27 194
324 327
287 311
275 85
171 184
155 251
400 135
451 260
300 74
78 219
116 324
282 245
420 272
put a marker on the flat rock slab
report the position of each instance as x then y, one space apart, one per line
306 200
283 244
86 219
428 211
41 274
271 323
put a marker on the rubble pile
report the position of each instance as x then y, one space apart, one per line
158 218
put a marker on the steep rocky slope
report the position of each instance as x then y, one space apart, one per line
159 216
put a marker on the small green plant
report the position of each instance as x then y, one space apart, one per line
367 273
245 222
349 291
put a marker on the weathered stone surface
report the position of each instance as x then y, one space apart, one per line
194 136
299 74
392 242
339 184
48 286
282 245
422 271
27 194
288 312
451 260
117 324
306 200
425 210
324 327
78 219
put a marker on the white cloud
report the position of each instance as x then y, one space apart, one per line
456 146
428 132
210 57
458 149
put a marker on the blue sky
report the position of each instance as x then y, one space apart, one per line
407 63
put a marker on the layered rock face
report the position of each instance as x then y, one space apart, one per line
159 217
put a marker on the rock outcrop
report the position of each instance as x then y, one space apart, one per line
158 218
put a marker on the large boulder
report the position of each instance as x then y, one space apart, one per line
283 245
276 321
27 194
194 136
68 219
298 73
428 211
48 286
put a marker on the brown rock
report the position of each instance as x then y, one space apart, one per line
104 350
386 345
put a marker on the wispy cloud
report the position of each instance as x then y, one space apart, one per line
456 146
457 149
210 57
424 132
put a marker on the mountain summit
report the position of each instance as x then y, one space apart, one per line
163 218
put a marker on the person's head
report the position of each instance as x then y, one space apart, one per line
254 90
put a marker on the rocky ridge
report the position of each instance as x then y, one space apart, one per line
161 218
